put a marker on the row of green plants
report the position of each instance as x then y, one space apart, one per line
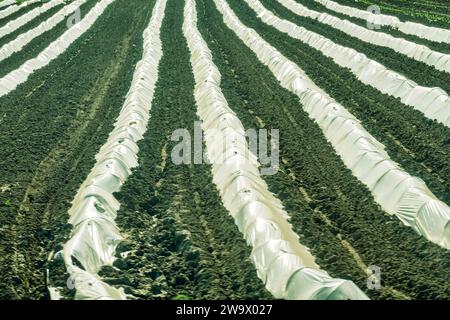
181 242
52 126
30 25
18 13
37 45
328 206
419 72
437 46
420 8
418 144
405 11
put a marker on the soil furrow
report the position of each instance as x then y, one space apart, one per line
50 149
408 262
30 25
383 116
180 242
19 13
37 45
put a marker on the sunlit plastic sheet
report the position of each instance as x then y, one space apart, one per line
23 39
434 103
95 234
416 206
415 51
7 3
14 8
277 253
93 288
10 82
413 28
12 26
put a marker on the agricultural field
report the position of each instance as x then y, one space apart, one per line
224 150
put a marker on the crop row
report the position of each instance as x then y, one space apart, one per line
437 46
382 44
405 11
392 128
285 265
51 128
37 45
29 25
368 71
416 6
180 240
332 212
9 14
6 3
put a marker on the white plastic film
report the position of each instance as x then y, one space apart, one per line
412 28
418 52
414 203
23 39
277 253
14 8
12 26
434 103
7 3
10 82
95 234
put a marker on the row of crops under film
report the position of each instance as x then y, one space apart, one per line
93 206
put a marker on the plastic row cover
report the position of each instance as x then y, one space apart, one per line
415 51
434 103
23 39
12 9
12 26
5 3
10 82
395 190
95 235
286 267
417 29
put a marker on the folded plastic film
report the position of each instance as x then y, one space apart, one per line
434 103
415 51
23 39
20 21
14 8
413 28
360 152
95 234
277 253
10 82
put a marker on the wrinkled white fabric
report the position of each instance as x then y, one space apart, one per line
12 26
413 28
277 254
395 190
10 82
95 235
418 52
434 103
23 39
14 8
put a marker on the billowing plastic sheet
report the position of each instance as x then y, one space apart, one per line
12 26
434 103
395 190
277 254
413 28
415 51
10 82
95 234
23 39
14 8
5 3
